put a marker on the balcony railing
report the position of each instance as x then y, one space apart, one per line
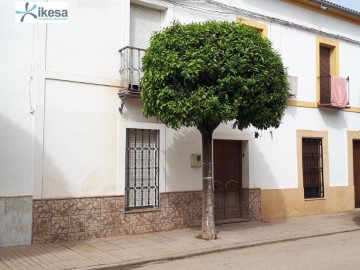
334 92
130 71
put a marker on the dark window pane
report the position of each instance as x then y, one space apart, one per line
312 157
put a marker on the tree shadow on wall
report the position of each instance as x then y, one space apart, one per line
180 145
17 148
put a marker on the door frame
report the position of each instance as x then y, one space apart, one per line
241 176
351 136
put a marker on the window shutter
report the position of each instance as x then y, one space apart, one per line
143 22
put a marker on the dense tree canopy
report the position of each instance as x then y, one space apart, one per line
203 74
213 72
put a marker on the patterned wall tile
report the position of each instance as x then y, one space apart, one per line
251 204
164 200
149 217
92 205
197 199
108 205
77 207
42 209
76 236
119 204
191 223
245 210
245 195
60 208
254 211
77 224
171 214
60 225
92 234
254 195
92 222
60 237
123 230
41 226
108 220
169 226
112 232
180 199
144 229
41 239
144 218
186 214
196 213
122 219
83 218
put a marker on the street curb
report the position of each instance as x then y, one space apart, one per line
130 265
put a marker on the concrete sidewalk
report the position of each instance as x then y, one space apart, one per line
132 250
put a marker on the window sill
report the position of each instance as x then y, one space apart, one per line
315 199
142 210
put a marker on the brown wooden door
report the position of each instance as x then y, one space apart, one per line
356 157
227 179
325 75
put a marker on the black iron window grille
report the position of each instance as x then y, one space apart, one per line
142 169
313 176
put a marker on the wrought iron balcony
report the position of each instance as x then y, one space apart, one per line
334 92
130 71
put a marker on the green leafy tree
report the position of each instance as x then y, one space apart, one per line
203 74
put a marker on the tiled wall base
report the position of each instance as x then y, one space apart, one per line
15 220
76 219
251 203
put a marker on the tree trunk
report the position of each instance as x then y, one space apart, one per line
208 231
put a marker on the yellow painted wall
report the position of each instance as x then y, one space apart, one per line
280 203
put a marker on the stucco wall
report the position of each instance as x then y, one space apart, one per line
84 138
80 140
73 143
17 65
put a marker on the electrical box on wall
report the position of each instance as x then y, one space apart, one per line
195 160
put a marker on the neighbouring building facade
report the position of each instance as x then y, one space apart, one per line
78 160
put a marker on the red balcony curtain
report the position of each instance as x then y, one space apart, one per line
339 94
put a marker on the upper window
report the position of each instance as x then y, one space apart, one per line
142 169
332 90
260 27
144 22
312 162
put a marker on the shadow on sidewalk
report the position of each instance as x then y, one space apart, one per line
356 217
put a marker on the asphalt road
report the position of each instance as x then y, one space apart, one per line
340 251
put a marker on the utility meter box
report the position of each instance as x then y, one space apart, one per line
195 160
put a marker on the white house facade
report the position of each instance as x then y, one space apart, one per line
78 160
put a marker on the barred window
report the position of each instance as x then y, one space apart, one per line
142 169
313 177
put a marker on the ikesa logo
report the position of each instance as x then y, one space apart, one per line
41 12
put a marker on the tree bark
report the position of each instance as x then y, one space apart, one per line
208 231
